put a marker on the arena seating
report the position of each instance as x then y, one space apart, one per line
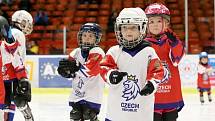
72 14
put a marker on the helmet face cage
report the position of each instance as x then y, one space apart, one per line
128 43
23 20
125 19
89 27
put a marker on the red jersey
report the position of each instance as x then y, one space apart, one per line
204 72
169 93
2 90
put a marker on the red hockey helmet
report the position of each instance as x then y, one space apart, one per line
157 9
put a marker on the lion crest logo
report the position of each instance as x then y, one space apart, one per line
131 88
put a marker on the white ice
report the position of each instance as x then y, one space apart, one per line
54 107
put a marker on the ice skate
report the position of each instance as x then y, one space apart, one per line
209 98
202 100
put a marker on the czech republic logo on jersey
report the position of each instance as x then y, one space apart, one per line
130 92
131 88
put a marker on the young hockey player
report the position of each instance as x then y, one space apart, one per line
17 86
83 66
204 71
168 98
132 69
22 25
2 90
3 29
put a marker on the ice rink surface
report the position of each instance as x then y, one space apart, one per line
54 107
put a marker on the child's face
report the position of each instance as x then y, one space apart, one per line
204 60
157 24
130 32
88 37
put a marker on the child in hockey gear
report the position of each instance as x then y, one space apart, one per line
17 86
3 36
2 92
168 98
204 71
83 66
22 25
132 69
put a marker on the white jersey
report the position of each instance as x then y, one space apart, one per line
20 37
88 84
124 101
13 66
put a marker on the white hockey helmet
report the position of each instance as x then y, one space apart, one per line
203 55
23 20
131 16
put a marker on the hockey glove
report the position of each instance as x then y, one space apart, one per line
116 76
68 68
172 37
24 89
73 65
148 89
